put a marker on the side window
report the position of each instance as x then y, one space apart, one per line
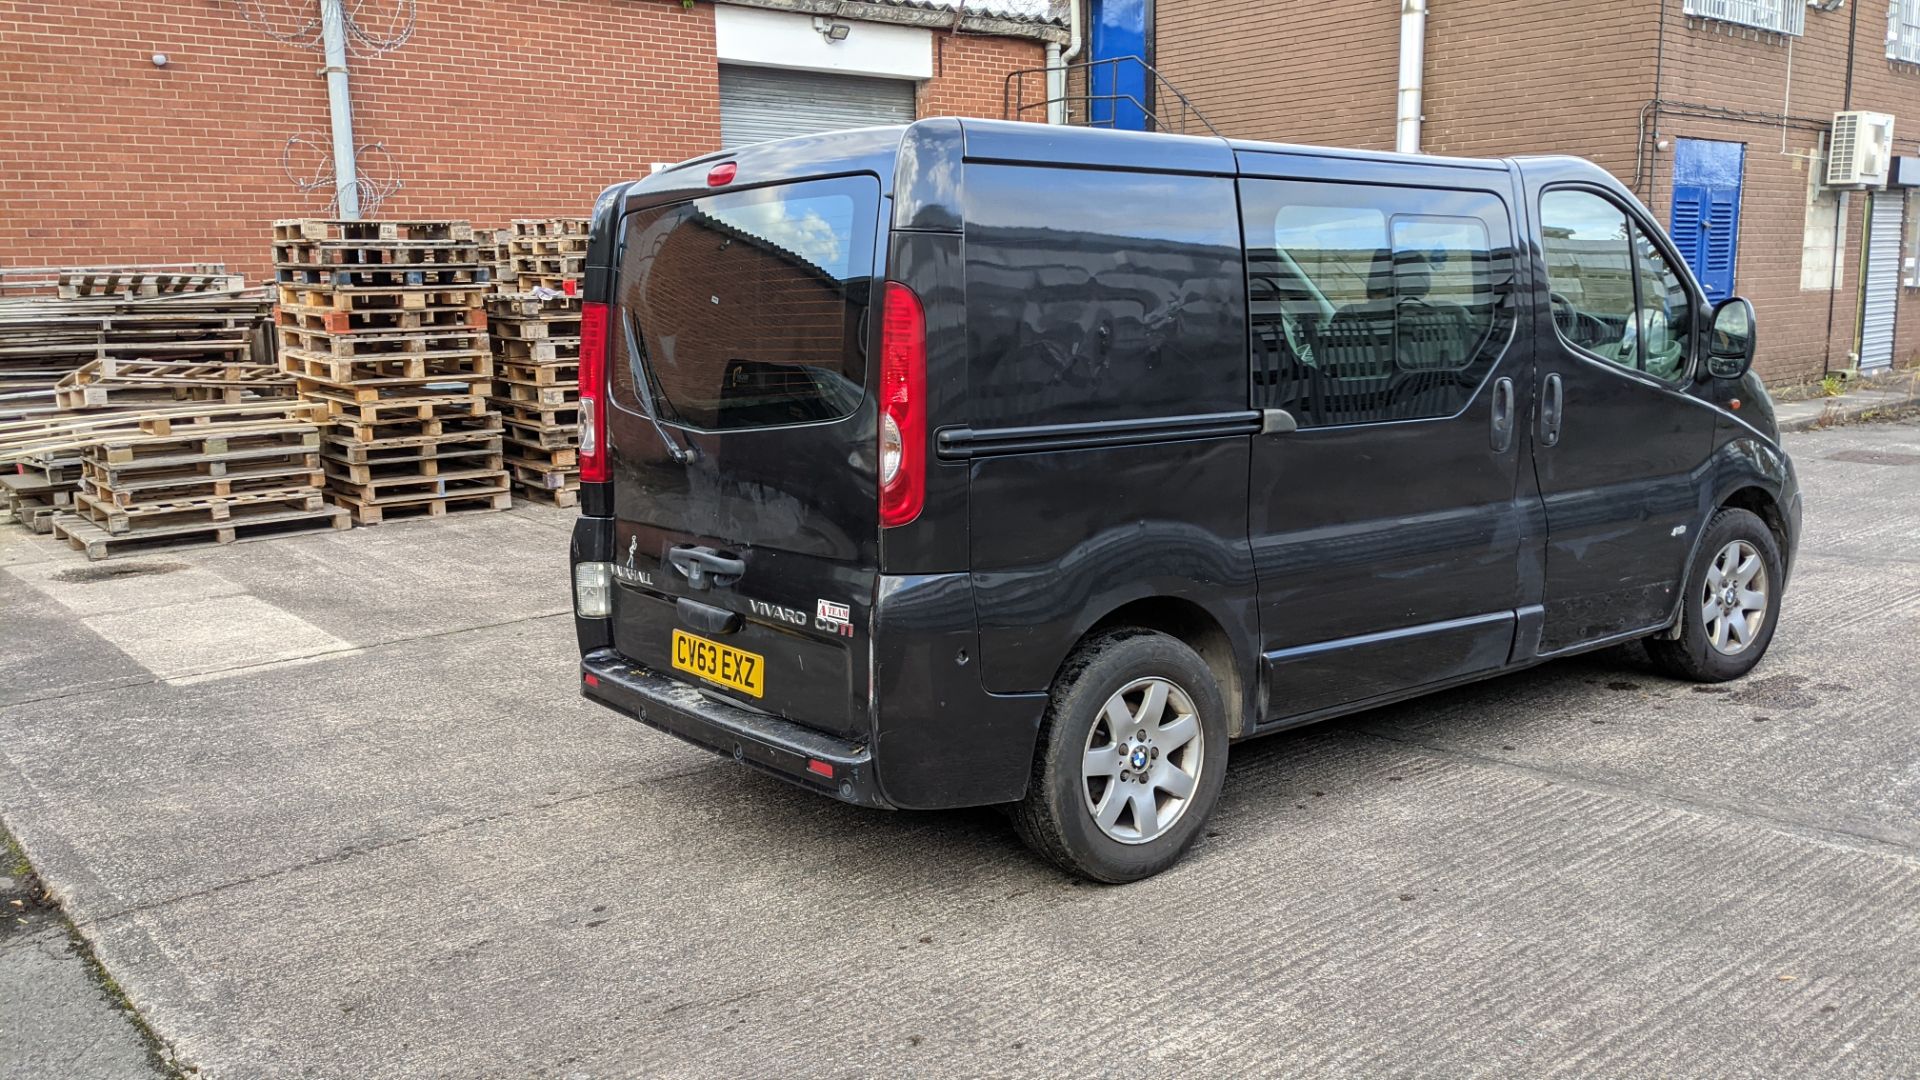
1612 291
1372 304
1666 315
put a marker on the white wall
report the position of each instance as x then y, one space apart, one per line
784 39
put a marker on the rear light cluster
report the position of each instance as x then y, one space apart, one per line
593 392
903 406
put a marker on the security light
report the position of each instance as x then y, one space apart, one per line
832 31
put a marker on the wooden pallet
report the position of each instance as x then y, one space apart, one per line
376 321
78 284
376 344
349 409
350 448
389 370
422 504
382 297
524 227
333 229
98 543
195 478
146 517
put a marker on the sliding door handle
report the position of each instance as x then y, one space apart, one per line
1502 434
1552 408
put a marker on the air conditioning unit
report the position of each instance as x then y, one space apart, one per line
1862 149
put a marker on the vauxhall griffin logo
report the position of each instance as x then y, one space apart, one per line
627 571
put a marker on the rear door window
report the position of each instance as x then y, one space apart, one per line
749 307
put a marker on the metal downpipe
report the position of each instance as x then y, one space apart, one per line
346 175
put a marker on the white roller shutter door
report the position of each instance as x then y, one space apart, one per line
758 104
1883 280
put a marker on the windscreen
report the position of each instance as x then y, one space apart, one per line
749 307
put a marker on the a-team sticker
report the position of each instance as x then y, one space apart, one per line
833 618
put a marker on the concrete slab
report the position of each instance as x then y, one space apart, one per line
428 856
55 1021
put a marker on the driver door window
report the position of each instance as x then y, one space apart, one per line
1614 294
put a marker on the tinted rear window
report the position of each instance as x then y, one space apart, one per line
750 307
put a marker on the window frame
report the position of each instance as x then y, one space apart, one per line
1903 31
1696 297
1506 235
1786 17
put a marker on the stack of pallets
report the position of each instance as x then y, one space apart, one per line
382 322
548 253
496 251
111 315
216 475
536 350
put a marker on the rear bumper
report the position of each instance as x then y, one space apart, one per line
794 753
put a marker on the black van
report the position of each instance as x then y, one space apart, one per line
974 463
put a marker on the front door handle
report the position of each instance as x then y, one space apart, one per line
1502 435
1552 407
704 567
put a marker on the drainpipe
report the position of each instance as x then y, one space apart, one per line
1413 62
1057 62
333 34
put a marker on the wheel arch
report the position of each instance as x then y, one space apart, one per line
1762 504
1200 630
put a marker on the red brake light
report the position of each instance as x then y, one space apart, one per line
722 174
903 406
593 392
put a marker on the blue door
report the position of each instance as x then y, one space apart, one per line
1119 90
1706 210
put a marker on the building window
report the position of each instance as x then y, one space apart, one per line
1903 31
1777 16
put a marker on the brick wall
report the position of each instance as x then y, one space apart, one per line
970 73
1302 71
1709 63
496 109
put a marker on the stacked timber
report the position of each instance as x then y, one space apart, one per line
548 253
382 323
496 251
89 315
177 473
536 352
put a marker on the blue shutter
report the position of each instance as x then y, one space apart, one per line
1705 223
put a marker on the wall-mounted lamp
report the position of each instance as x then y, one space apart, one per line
159 59
1826 5
832 31
1663 145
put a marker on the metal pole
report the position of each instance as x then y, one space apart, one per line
1413 53
333 34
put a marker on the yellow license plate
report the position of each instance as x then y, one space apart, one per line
735 669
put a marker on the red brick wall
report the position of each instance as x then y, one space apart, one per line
1303 71
970 71
496 109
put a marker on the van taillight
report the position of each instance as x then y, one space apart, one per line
593 392
903 406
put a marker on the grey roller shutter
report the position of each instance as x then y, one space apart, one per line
758 104
1883 280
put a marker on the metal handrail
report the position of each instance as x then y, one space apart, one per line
1014 104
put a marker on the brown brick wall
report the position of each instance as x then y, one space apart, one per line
1303 71
1504 77
970 73
496 109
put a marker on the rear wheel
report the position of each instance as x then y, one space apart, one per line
1731 602
1131 759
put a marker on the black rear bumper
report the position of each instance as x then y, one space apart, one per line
794 753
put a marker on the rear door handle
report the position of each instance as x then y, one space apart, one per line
1551 408
704 567
1502 435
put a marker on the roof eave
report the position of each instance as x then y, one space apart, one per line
928 18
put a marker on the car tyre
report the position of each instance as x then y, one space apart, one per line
1731 602
1131 758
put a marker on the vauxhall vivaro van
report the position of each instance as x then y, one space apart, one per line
974 462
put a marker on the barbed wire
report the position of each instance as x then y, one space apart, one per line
374 27
373 190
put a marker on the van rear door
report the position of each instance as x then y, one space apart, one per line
742 445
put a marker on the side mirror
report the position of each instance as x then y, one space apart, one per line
1730 343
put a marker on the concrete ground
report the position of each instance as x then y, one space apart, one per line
330 806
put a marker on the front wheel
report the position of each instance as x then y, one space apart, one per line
1730 603
1131 759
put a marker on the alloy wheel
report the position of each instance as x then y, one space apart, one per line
1733 602
1142 761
